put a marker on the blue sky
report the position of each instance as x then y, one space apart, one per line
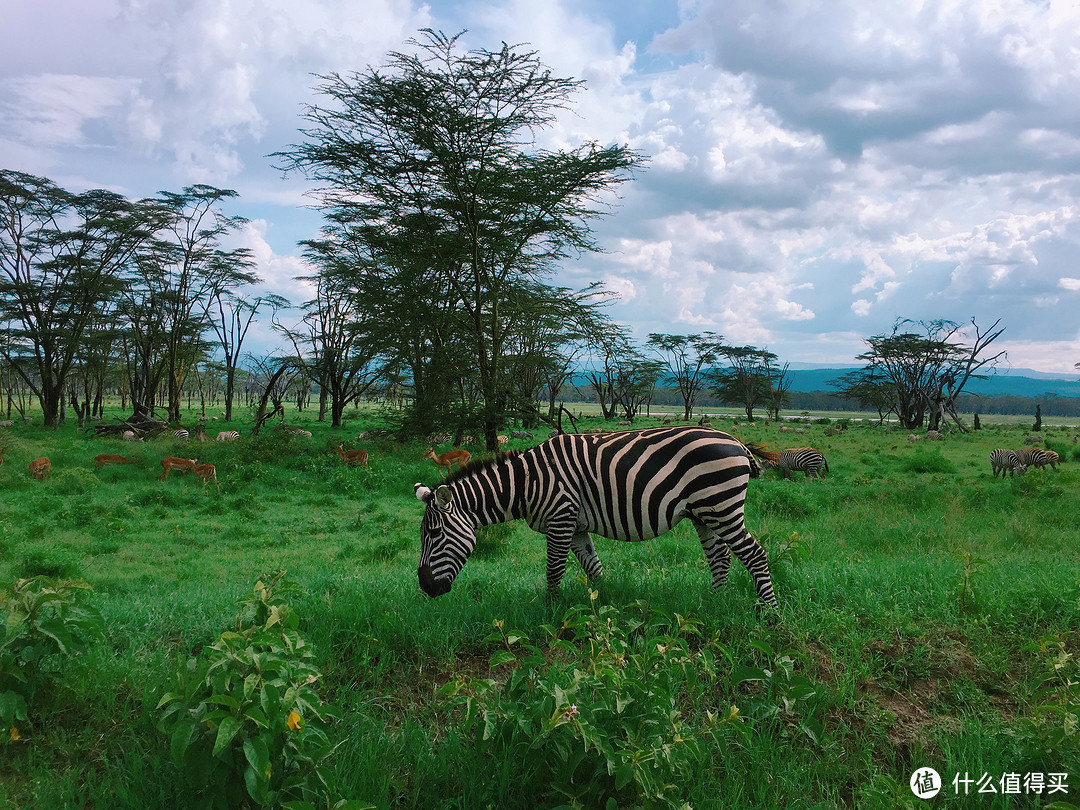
817 170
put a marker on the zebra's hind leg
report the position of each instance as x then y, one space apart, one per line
585 551
747 549
752 555
717 554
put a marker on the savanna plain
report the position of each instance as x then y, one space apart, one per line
929 617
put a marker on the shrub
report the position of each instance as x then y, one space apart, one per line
924 461
246 719
51 563
595 722
45 623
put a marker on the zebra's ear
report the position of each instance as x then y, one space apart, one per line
442 496
422 493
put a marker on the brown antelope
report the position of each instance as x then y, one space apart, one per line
108 458
207 473
449 458
352 456
173 463
39 468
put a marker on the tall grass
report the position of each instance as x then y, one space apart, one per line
912 585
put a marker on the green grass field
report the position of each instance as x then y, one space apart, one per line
929 617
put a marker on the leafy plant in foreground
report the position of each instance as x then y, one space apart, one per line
594 720
1054 728
246 719
783 697
45 623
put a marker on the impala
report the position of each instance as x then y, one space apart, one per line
39 468
207 473
352 456
173 463
449 458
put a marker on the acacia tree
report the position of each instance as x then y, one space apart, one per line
923 373
170 284
231 322
747 379
334 343
688 359
435 158
60 258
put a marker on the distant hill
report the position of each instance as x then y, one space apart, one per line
1017 382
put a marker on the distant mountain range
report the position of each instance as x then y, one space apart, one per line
1017 382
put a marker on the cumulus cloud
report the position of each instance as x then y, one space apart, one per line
816 170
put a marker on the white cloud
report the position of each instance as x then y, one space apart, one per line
53 109
813 165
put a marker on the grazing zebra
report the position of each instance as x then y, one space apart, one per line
1052 458
1038 458
1002 460
228 436
631 485
181 435
802 459
439 438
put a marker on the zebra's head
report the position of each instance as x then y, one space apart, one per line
447 538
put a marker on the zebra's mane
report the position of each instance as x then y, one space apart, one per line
479 466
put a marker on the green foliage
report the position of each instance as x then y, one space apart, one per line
783 700
927 461
53 562
246 723
1054 726
594 719
45 623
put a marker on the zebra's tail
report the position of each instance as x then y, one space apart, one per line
770 457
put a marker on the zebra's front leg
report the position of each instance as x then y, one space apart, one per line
585 551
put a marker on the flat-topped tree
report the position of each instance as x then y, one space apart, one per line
432 165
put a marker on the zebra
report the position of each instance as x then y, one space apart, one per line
1052 458
631 485
1032 456
1038 458
1002 460
181 435
228 436
807 460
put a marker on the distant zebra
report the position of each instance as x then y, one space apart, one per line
439 438
1038 458
1002 460
806 460
1052 458
181 435
228 436
631 485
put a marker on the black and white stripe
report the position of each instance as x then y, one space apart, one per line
1002 460
181 435
803 459
633 485
228 436
1033 457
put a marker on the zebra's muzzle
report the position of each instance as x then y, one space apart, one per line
430 585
